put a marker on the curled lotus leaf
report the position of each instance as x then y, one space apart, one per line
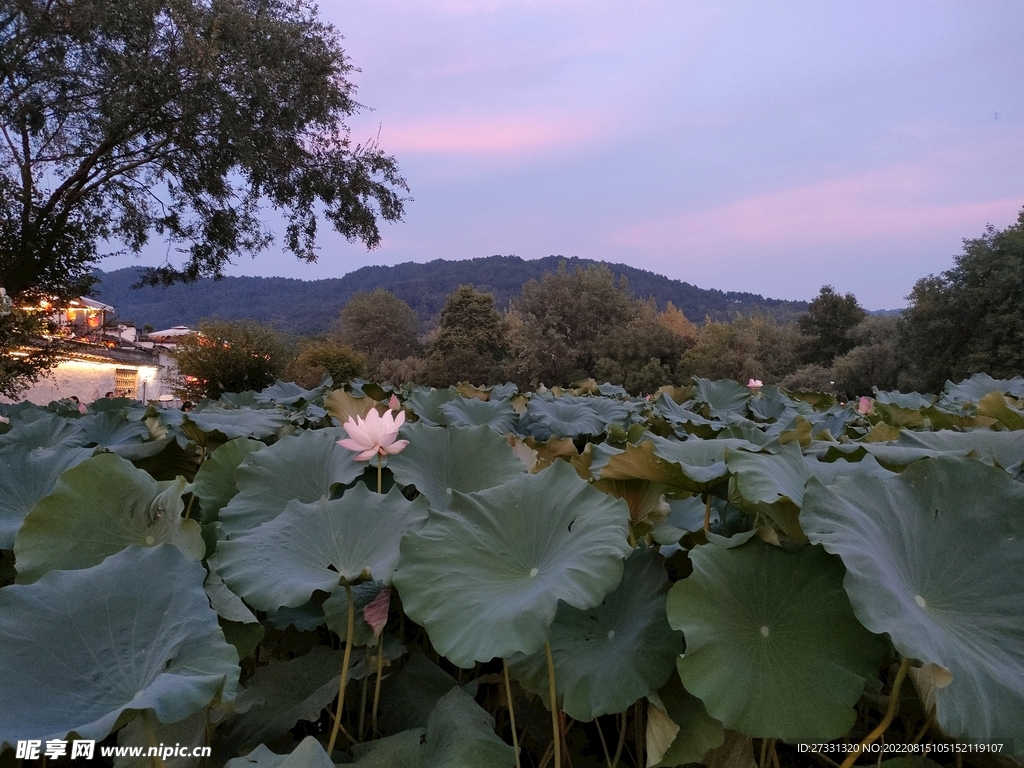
771 483
609 656
485 577
723 398
934 558
309 547
214 484
97 508
426 404
972 390
302 468
443 461
773 648
288 393
61 641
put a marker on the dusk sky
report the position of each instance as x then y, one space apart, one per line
764 147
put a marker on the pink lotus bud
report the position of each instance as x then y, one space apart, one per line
864 405
393 403
755 383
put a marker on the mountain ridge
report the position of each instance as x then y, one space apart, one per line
310 306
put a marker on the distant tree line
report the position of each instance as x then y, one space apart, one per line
581 323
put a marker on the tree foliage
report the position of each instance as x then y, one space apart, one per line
320 357
471 341
830 317
121 119
379 325
971 317
229 357
563 320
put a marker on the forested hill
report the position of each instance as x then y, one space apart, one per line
310 306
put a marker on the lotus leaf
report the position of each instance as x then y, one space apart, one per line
302 468
282 693
99 507
772 484
310 546
288 393
259 423
498 415
443 461
934 558
37 429
972 390
25 478
695 731
772 645
724 397
426 404
85 650
702 462
566 416
610 656
459 734
214 484
309 754
485 577
112 428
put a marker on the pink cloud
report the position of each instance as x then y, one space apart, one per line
482 135
876 205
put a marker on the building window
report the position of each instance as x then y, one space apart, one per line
126 381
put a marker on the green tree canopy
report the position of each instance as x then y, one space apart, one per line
830 317
562 321
971 317
229 357
471 340
380 325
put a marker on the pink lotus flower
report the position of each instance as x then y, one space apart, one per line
393 403
755 383
864 405
374 435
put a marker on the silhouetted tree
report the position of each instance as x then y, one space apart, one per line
830 317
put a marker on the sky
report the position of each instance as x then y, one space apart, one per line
764 147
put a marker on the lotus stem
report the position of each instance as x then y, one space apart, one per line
890 715
350 630
632 536
707 512
362 706
147 724
639 726
604 744
511 711
622 741
379 475
376 686
554 705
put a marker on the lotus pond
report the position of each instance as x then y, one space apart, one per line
715 575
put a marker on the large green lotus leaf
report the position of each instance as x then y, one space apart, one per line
676 414
82 650
911 401
441 462
829 472
309 754
772 484
1003 448
282 693
226 603
565 416
426 404
288 393
303 468
39 429
485 577
702 462
610 656
635 462
98 508
769 404
259 423
112 428
773 648
722 397
25 478
980 384
214 485
311 546
459 734
498 415
934 558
